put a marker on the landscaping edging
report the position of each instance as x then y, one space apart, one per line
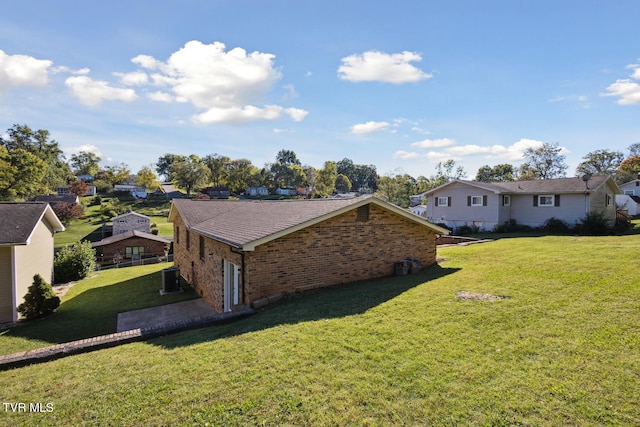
86 345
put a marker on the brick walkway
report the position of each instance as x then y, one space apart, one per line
105 341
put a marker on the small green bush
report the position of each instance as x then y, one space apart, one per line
594 224
39 300
74 262
511 226
556 226
467 229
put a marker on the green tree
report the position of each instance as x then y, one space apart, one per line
634 149
241 173
600 162
117 174
190 173
499 173
56 170
343 184
396 188
40 300
326 180
546 162
287 171
146 177
74 262
164 163
447 171
21 174
218 168
85 163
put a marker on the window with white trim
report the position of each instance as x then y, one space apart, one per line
476 200
442 201
546 200
629 192
506 200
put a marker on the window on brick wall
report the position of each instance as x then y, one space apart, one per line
177 235
134 252
187 242
363 213
201 242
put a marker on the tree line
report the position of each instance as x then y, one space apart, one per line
31 164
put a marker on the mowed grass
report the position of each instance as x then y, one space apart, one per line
91 308
563 348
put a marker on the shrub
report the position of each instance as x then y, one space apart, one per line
96 201
555 225
67 212
74 262
594 224
511 226
39 300
467 229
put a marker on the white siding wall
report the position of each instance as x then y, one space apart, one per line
459 213
573 207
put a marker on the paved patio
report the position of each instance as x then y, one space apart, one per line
155 317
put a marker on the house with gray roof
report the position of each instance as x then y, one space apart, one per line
130 245
26 249
485 205
241 252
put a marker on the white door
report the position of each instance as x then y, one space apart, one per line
231 285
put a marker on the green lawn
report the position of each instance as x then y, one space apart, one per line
563 348
91 308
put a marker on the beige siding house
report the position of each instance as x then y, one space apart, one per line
240 252
485 205
26 249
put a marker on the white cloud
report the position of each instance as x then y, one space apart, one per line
136 78
368 127
384 67
246 114
407 155
93 92
160 96
23 70
627 90
434 143
89 148
228 85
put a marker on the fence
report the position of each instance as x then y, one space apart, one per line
142 261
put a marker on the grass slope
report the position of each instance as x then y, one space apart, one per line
91 308
562 349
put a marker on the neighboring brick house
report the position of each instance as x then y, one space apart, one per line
26 249
131 221
130 245
237 252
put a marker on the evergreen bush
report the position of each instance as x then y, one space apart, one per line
39 301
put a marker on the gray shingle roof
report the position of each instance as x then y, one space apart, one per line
127 235
18 220
539 186
245 222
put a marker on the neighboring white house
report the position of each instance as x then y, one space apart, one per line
137 191
257 191
286 191
26 249
130 221
629 200
64 189
420 210
531 203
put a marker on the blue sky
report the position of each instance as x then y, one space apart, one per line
402 85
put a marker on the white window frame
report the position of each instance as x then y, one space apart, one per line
506 200
474 201
629 192
544 197
443 201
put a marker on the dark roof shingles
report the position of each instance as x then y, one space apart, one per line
19 220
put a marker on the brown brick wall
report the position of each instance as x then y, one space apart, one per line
206 276
151 248
338 250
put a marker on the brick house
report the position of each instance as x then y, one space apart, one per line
131 221
26 249
238 252
130 245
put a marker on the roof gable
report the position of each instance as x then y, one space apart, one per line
126 214
19 220
127 235
248 224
